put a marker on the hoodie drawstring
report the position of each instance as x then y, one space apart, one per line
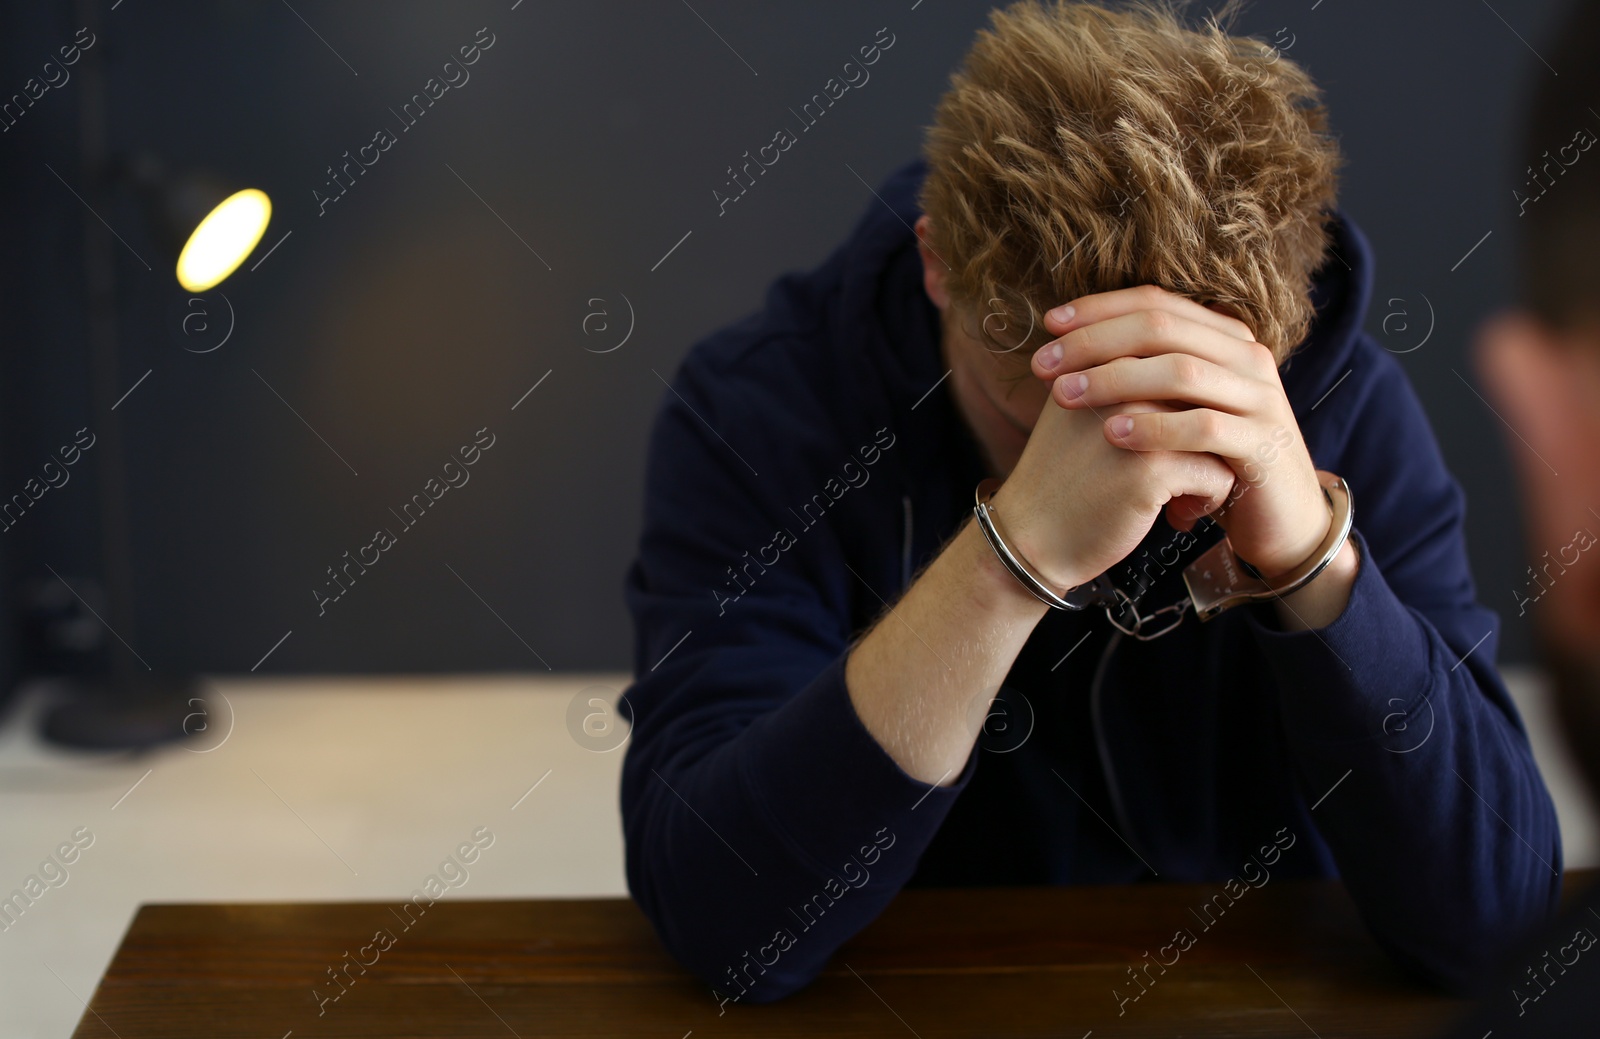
905 545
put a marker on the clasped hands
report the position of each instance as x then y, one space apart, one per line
1194 421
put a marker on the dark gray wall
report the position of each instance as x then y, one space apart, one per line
459 270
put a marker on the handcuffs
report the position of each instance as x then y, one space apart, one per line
1217 579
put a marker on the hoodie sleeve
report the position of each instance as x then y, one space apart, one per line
1407 744
764 826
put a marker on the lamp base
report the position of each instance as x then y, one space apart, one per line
122 713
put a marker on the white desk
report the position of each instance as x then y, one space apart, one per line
391 772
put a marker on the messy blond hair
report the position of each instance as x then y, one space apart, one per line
1081 149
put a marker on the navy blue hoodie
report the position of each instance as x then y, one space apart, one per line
809 460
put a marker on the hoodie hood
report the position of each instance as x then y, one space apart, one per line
881 304
808 457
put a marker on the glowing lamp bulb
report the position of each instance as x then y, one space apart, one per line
224 238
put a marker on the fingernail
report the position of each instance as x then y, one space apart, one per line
1050 356
1062 313
1121 426
1072 386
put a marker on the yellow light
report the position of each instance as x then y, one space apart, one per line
223 240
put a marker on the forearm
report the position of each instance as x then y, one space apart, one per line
756 857
1450 852
921 679
1406 750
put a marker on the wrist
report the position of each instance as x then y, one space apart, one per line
1291 553
1022 537
992 585
1322 601
1273 568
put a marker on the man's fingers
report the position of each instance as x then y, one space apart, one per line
1101 305
1167 377
1196 484
1195 430
1184 511
1149 333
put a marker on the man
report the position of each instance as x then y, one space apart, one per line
1541 364
843 690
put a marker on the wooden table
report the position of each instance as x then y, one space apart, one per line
1289 959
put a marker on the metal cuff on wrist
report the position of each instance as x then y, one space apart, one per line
1218 580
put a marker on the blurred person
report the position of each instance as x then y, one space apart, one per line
1115 283
1540 365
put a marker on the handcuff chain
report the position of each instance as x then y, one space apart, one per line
1126 603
